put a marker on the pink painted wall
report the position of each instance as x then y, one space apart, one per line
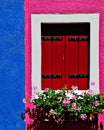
62 6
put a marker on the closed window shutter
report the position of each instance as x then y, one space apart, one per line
65 60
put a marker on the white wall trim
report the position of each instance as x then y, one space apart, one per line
37 19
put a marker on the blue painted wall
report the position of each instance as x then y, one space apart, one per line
12 65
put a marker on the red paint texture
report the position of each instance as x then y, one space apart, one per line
62 7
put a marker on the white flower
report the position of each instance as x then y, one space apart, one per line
52 112
57 91
69 95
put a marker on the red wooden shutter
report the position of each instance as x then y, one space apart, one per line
46 61
83 62
65 61
71 61
57 48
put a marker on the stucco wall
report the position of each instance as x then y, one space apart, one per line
12 66
62 6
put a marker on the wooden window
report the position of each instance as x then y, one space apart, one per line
93 59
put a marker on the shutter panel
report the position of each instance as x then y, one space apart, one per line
46 61
58 45
71 61
83 62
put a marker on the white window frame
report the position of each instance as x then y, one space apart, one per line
37 19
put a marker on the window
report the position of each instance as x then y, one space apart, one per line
65 55
90 73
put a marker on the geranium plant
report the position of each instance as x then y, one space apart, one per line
61 105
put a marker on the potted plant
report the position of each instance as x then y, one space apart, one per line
63 105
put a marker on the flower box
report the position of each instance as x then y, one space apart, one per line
65 110
68 125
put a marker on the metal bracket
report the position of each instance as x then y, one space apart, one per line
78 75
51 76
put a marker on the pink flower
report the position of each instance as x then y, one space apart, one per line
90 92
46 89
83 116
78 109
59 121
73 106
74 87
66 102
83 93
35 87
34 96
92 83
96 103
74 97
